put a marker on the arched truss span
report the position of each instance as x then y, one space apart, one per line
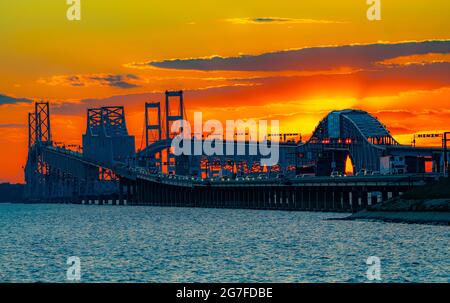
356 131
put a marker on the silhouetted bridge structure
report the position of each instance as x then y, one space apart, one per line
313 194
107 172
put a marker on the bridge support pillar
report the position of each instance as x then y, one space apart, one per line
364 199
395 192
373 198
384 195
309 205
121 191
335 200
328 200
321 199
346 197
293 194
356 200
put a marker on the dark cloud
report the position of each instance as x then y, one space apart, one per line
75 81
123 84
12 125
121 81
278 20
268 19
360 85
79 108
4 99
313 58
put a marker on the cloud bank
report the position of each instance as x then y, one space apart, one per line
4 99
124 81
307 59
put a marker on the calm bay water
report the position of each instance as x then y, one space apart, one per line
157 244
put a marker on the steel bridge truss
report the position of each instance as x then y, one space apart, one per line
110 121
53 172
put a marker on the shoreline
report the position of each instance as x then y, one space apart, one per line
415 217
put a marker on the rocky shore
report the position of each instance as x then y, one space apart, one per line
420 217
429 204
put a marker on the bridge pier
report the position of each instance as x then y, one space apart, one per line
338 197
279 199
302 195
307 195
121 190
364 199
384 195
395 192
346 197
293 204
328 195
282 199
320 199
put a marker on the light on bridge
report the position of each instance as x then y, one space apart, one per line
349 166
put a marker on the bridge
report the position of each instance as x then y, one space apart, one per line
356 137
108 170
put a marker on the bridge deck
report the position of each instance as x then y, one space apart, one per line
139 186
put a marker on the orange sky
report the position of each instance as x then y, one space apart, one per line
286 60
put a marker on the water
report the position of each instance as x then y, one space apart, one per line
157 244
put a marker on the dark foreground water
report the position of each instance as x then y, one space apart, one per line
156 244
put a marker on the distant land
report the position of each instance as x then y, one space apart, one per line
11 192
427 204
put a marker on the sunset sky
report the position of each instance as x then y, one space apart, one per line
288 60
